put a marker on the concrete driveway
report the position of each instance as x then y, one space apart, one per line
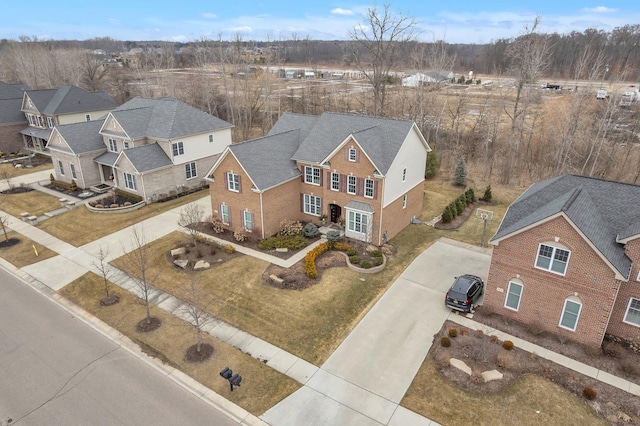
364 380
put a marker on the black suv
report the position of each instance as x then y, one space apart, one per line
464 293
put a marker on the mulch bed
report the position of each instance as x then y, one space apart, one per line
481 353
112 299
192 354
148 324
17 190
211 253
461 218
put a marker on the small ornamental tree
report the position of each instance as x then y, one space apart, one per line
460 173
432 166
487 195
460 206
471 196
446 215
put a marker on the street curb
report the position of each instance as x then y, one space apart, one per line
183 380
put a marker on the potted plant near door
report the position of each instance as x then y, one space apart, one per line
323 219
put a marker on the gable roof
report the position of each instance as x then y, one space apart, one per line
11 103
380 138
146 157
82 137
604 211
69 99
12 91
164 118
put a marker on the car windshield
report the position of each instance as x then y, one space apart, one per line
457 295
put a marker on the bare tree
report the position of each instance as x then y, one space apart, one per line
93 71
143 271
191 215
194 308
5 220
376 46
102 265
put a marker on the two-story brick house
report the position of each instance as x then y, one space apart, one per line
367 171
12 120
150 147
566 259
47 108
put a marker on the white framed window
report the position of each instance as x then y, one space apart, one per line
190 169
73 171
404 201
125 144
129 181
368 188
351 184
224 214
40 121
514 294
31 119
357 222
353 155
404 174
247 218
50 122
335 181
632 316
552 259
113 146
60 167
312 204
177 148
312 175
87 117
233 182
210 138
570 314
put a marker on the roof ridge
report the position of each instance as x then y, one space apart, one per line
572 198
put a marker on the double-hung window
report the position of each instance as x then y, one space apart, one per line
73 171
335 181
125 144
514 294
351 184
61 167
552 259
50 122
177 148
404 201
113 146
404 174
129 181
368 188
40 121
632 316
233 182
312 175
190 169
312 204
570 314
248 220
357 222
224 213
353 156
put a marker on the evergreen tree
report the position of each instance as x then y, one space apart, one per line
487 195
460 206
432 166
460 174
446 215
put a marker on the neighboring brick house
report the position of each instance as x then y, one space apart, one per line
47 108
366 171
149 147
12 120
566 259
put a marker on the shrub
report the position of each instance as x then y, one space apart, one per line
352 252
507 344
124 194
230 249
217 225
294 242
310 230
612 349
494 339
240 234
73 186
376 253
453 332
432 164
290 227
445 341
471 196
464 331
446 215
378 261
479 334
589 393
460 206
504 360
630 368
333 237
354 260
487 195
51 178
339 245
476 376
365 264
310 259
460 173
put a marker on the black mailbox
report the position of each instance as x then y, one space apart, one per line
226 373
235 380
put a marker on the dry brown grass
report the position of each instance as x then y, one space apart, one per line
35 203
7 169
80 226
23 253
531 400
262 387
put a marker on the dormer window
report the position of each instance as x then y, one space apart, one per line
177 148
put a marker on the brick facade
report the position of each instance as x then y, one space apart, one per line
10 137
587 279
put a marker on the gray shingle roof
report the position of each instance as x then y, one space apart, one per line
164 118
147 157
108 158
83 137
12 91
69 99
603 211
10 111
267 160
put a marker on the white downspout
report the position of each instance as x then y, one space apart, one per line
381 210
261 216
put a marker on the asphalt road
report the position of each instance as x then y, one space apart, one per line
56 370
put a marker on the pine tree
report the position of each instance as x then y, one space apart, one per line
432 166
446 215
460 174
487 195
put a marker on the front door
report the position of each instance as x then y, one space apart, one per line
335 213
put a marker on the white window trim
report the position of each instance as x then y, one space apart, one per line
87 117
113 145
404 174
187 169
129 184
363 226
211 138
50 122
372 188
313 208
354 185
626 312
404 201
247 214
564 307
61 168
312 172
353 155
233 182
335 174
224 212
553 255
125 144
177 148
72 168
517 308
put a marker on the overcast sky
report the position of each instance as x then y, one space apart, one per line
188 20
